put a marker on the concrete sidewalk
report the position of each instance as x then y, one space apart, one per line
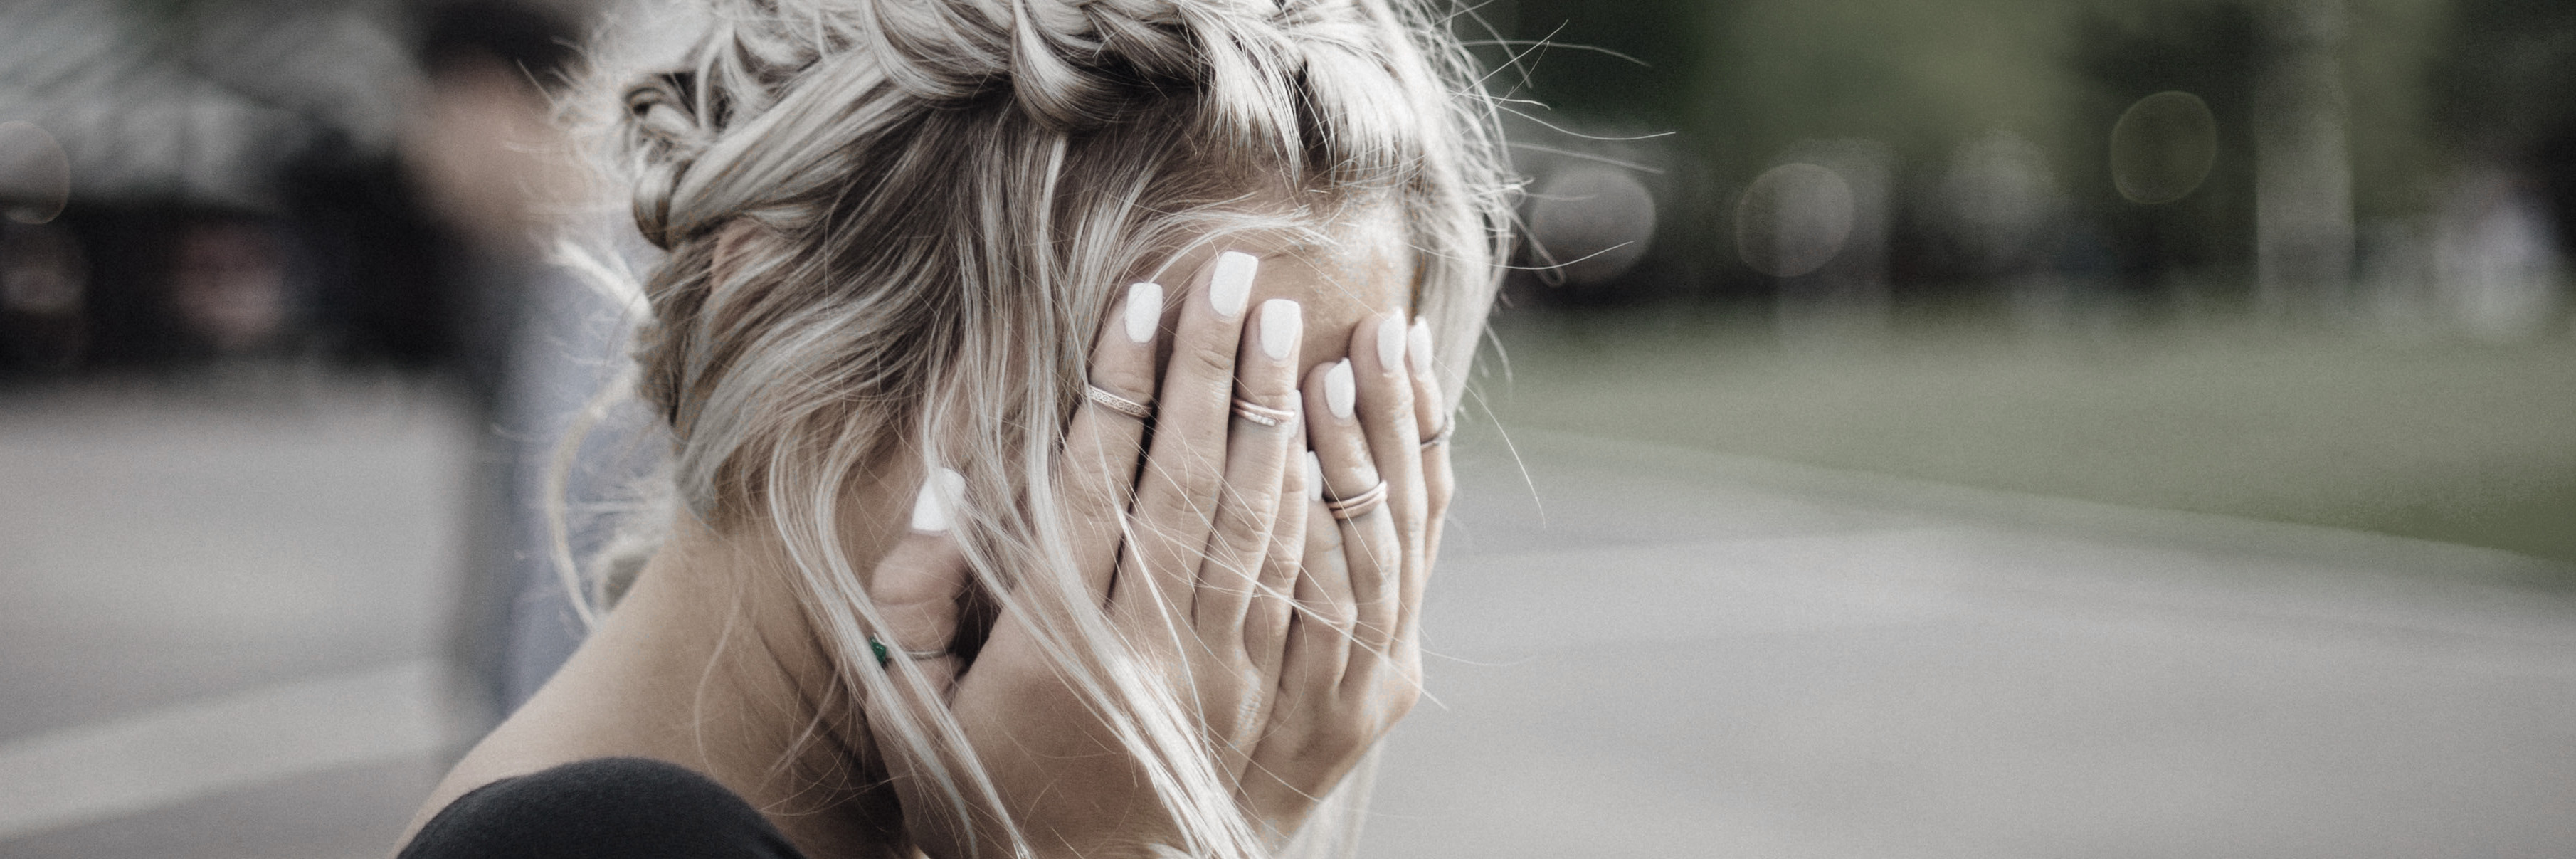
223 609
1654 652
1639 652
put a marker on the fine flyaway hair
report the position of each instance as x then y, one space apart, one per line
949 195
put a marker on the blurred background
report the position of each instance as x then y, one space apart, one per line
1993 427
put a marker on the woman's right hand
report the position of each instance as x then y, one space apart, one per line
1288 631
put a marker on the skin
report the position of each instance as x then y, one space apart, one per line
709 662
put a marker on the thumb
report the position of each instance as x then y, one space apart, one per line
918 585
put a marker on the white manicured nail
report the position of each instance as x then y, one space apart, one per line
1390 345
1282 322
934 510
1144 311
1422 346
1341 392
1314 476
1231 286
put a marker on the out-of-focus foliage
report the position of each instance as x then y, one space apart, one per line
1744 83
2507 93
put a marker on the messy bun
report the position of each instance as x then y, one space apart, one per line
936 201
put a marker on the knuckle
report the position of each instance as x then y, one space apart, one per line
1400 397
1401 698
1190 473
1198 493
1250 511
1343 735
1210 357
1343 616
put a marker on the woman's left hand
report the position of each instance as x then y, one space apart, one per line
1354 658
1286 623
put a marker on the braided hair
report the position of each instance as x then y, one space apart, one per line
945 194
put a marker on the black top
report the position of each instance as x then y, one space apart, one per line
608 807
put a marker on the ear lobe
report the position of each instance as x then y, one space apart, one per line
734 244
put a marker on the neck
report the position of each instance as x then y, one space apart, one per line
710 662
746 691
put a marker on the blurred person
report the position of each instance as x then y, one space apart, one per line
229 288
494 168
982 542
44 293
2497 268
483 150
483 144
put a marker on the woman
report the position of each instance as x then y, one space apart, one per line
992 544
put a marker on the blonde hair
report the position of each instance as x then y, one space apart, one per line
949 195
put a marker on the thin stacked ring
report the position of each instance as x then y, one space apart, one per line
1261 414
1358 505
885 654
1116 403
1442 437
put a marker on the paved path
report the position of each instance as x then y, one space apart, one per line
221 615
1686 655
1674 654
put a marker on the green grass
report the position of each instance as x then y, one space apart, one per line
2435 439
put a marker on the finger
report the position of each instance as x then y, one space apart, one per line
1274 597
1271 593
1371 551
1386 415
1176 494
1387 418
1102 443
1263 434
1279 781
1433 417
1319 629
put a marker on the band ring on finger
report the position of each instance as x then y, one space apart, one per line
1261 414
1442 437
1357 505
885 654
1116 403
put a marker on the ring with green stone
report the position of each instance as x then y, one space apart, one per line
885 655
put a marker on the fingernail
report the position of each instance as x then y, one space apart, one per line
1144 311
1390 345
1340 391
1422 347
1314 476
1232 284
933 511
1282 321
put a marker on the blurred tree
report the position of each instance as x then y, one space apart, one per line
1628 64
2122 52
2506 86
1600 88
1750 82
1781 77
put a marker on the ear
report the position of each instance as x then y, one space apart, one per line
735 243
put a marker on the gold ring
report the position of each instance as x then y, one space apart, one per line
1442 437
1358 505
1261 414
1116 403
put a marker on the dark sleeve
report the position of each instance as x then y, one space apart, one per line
609 807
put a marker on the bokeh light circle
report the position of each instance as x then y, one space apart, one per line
1592 223
2162 147
1793 219
35 176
